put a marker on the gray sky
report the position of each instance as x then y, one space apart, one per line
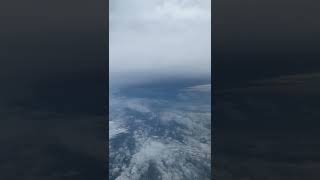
159 38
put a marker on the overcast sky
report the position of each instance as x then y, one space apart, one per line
159 39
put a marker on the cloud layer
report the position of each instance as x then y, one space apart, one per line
153 38
159 138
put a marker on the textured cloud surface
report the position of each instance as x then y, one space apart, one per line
159 138
168 38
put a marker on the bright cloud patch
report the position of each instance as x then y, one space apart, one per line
159 38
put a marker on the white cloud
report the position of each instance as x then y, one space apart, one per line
116 128
170 159
163 134
159 38
200 88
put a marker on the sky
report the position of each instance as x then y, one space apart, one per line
159 39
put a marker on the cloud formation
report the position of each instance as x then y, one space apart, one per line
159 138
159 38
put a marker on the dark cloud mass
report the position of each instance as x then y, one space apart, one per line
53 77
266 89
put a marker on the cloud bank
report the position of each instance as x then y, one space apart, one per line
149 39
